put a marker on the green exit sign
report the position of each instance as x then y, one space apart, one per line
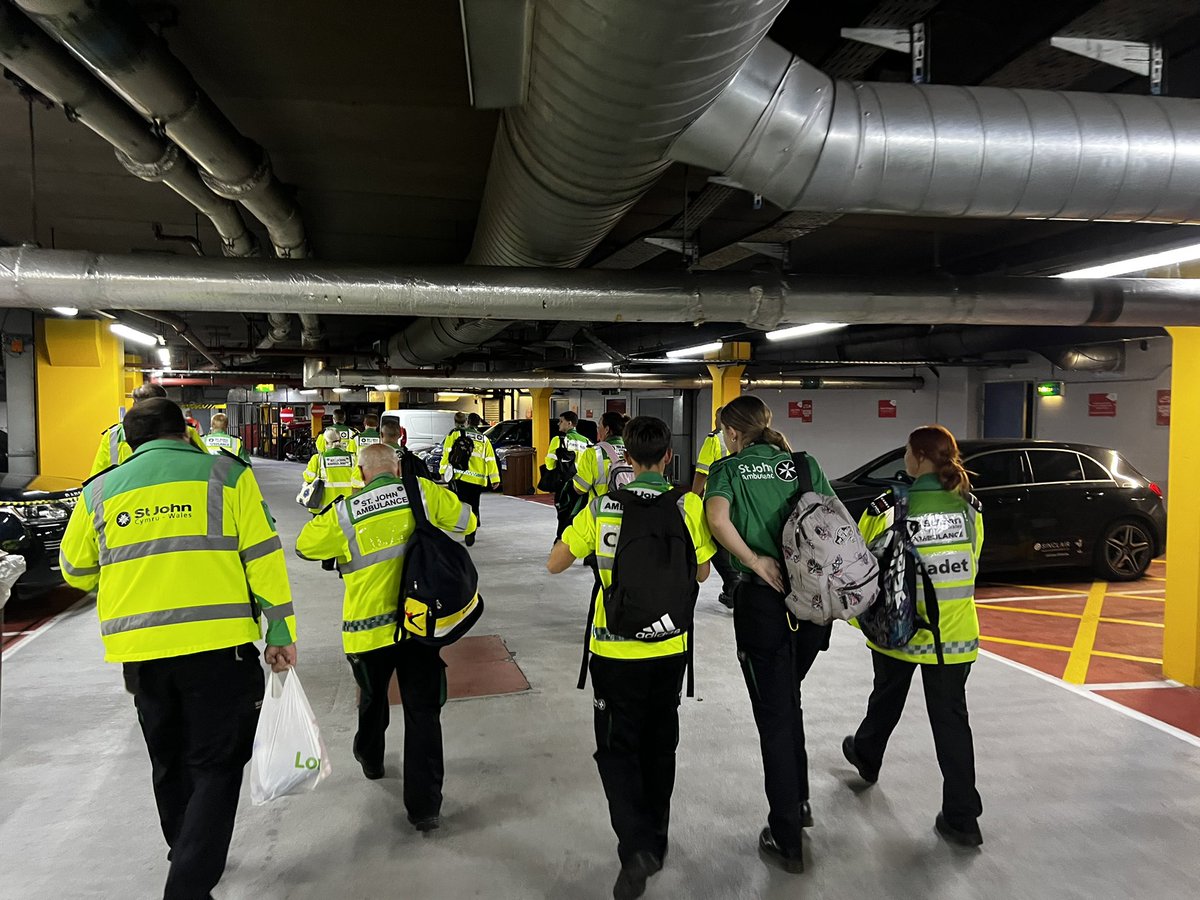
264 388
1049 388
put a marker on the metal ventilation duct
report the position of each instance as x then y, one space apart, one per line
611 84
117 45
787 131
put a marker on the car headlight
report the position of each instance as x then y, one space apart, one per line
35 511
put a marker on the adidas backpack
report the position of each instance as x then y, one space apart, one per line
831 574
620 472
893 621
460 452
439 600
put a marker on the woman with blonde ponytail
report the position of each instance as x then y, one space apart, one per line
746 500
948 539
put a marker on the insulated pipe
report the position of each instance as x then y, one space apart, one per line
785 130
31 277
48 68
519 380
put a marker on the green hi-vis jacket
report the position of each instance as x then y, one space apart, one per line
367 534
216 441
183 555
348 435
592 466
366 438
597 528
711 450
114 449
481 469
949 541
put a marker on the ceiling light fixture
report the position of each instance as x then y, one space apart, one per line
392 387
341 390
694 352
597 367
164 356
132 334
68 311
787 334
311 392
1143 263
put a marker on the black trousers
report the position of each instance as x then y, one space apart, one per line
946 700
198 714
636 713
566 504
469 494
774 661
721 562
421 675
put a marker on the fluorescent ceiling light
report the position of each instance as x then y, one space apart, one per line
65 310
341 390
597 367
311 391
164 356
132 334
786 334
392 387
1137 263
694 352
452 395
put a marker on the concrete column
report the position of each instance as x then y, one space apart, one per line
20 375
541 426
391 400
1181 636
80 392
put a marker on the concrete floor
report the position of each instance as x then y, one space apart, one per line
1080 800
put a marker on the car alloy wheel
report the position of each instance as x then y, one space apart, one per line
1128 550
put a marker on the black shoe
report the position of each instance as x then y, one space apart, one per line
725 600
631 882
972 837
471 539
806 819
426 823
852 758
374 773
768 848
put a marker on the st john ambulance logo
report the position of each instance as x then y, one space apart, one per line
785 470
123 519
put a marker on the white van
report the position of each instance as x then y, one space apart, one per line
426 427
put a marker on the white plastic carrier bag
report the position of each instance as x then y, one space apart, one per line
289 755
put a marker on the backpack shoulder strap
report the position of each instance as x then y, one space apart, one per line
803 473
412 487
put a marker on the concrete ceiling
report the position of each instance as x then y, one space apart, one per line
367 117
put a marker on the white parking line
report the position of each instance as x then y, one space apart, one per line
38 632
1103 701
1131 686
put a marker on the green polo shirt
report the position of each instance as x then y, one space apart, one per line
759 484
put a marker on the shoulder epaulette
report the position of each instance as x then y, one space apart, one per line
234 456
882 504
975 503
717 464
110 428
331 504
92 478
714 432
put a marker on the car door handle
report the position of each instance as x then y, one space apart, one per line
1004 501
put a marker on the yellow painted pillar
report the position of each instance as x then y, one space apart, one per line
541 427
1181 636
727 377
80 392
391 400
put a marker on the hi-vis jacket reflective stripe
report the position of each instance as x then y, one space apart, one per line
596 529
572 440
711 450
113 449
481 470
949 542
368 534
349 439
216 441
340 471
592 467
183 554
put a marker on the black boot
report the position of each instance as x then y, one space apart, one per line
851 755
631 882
961 837
768 848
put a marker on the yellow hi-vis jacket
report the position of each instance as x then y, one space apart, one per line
348 435
216 441
367 534
481 469
114 450
183 555
340 471
711 450
949 541
592 466
597 528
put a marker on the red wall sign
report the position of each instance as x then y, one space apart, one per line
887 409
1102 405
800 409
286 415
318 409
1163 410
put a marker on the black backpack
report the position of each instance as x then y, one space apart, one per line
652 596
460 452
439 600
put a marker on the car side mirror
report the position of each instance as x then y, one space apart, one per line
14 536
